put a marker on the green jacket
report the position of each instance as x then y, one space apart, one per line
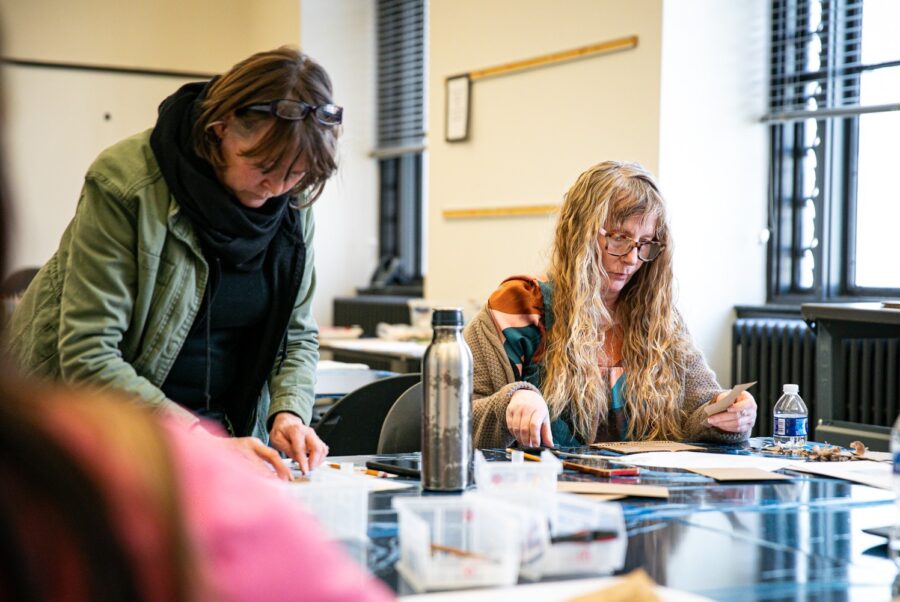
116 301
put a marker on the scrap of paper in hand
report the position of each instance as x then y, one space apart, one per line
714 407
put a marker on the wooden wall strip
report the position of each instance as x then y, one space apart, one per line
556 57
516 210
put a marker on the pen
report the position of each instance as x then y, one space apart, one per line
400 471
586 536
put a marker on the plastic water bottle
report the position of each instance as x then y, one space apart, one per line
894 538
790 419
447 458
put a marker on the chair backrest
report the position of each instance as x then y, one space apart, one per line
839 432
402 428
15 284
353 424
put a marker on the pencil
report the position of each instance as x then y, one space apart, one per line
365 471
600 472
400 471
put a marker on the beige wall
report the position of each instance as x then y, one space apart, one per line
57 121
531 133
186 35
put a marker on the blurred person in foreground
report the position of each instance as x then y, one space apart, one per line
596 350
185 279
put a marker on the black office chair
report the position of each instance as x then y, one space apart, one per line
353 424
14 285
402 428
839 432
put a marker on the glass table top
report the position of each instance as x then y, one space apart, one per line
801 539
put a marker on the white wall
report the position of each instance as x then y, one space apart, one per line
713 161
340 34
531 133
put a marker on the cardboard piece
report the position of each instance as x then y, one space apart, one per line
740 474
621 489
637 447
636 586
714 407
602 497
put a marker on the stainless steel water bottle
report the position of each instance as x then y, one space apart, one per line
447 405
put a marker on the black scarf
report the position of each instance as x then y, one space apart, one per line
238 235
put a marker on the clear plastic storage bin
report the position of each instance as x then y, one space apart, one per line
517 473
340 503
456 542
562 534
586 537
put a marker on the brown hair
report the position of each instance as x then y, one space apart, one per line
262 78
605 196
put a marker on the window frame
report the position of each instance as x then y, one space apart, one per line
836 170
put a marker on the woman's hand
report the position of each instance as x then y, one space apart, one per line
528 419
298 441
739 417
259 453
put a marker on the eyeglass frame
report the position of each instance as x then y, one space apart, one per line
307 109
634 245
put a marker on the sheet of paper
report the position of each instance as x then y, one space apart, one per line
622 489
874 474
741 474
707 460
877 456
404 348
719 406
634 447
551 591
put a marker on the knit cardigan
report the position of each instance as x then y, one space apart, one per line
495 383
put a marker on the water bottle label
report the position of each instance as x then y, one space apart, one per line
790 427
897 463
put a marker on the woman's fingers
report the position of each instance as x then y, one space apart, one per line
271 456
317 447
738 417
526 415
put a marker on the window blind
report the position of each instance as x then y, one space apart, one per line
401 77
822 65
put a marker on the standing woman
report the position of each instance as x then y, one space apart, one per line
596 351
186 277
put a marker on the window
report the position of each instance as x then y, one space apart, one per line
834 112
401 143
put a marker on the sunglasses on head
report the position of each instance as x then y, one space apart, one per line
297 110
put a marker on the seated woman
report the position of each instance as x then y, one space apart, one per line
597 351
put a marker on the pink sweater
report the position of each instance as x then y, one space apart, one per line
248 540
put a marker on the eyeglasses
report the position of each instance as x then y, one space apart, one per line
296 110
618 245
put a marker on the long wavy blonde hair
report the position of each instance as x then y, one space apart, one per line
603 197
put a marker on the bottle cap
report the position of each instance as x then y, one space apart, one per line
792 389
447 316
